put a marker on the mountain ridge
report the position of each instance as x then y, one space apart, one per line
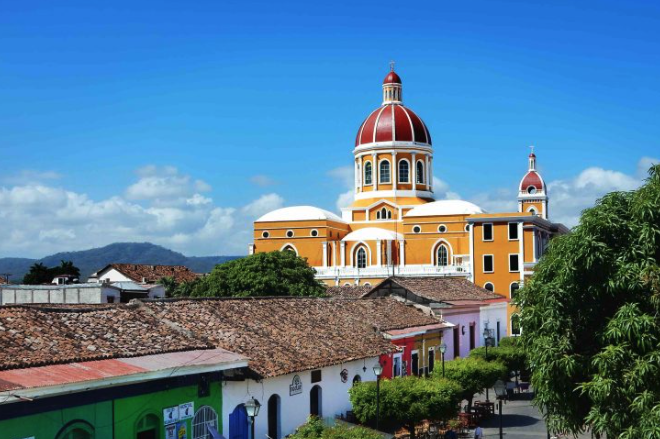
94 259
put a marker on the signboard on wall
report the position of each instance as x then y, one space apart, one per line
296 386
170 415
186 411
170 431
181 430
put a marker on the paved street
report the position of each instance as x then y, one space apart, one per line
520 420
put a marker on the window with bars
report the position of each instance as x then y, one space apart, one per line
204 417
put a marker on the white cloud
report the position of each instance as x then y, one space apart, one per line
345 176
38 219
262 205
442 192
345 199
262 180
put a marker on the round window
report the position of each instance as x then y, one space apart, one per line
531 190
289 233
467 227
265 234
442 228
417 229
314 233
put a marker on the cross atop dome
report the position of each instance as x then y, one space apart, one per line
392 66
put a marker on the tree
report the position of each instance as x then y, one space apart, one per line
508 353
40 274
314 428
170 284
591 319
472 374
262 274
406 401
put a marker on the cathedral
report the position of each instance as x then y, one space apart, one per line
395 226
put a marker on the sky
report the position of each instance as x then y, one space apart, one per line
180 123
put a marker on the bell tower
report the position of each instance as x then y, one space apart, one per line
532 193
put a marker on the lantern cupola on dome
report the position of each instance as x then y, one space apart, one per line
392 87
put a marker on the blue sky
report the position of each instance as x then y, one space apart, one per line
179 122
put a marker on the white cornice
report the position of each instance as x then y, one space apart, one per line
393 194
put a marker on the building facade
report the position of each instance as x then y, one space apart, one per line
395 226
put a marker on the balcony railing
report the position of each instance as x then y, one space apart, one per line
386 271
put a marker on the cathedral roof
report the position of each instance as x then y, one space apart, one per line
445 207
532 178
300 213
372 234
392 78
393 122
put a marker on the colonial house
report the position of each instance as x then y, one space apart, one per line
142 273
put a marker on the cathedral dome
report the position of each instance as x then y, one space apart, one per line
392 78
532 183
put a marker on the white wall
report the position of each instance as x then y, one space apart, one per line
294 410
115 276
492 314
58 294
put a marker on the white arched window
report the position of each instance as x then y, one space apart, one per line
442 256
420 172
404 171
489 286
384 172
368 174
361 258
513 288
204 417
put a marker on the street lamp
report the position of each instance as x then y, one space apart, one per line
252 409
378 371
500 391
443 349
486 342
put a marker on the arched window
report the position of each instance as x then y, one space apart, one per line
204 418
384 214
420 172
489 286
384 172
274 417
148 427
515 325
316 401
404 171
513 288
357 379
76 430
361 258
442 256
368 174
288 248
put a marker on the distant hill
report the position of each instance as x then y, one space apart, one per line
121 252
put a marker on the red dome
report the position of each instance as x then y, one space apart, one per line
392 78
393 122
533 179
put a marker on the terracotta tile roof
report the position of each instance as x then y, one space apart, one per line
284 335
153 273
348 292
40 335
442 289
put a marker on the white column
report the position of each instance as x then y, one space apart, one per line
394 170
334 253
378 255
250 249
389 252
325 253
414 172
374 170
428 174
357 177
342 248
402 257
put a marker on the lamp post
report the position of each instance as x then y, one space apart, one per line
252 409
443 349
500 391
486 342
378 371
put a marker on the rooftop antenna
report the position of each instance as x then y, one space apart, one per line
392 66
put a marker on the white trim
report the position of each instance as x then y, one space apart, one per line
379 253
354 249
290 245
311 233
510 285
518 256
483 263
376 122
491 284
293 234
399 171
492 232
265 232
413 229
521 251
381 161
449 247
364 172
508 230
471 248
442 225
364 123
532 209
423 182
393 194
401 147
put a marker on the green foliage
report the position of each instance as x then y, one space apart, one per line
591 319
406 401
262 274
315 429
507 353
170 285
40 274
472 374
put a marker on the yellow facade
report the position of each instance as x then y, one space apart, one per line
394 226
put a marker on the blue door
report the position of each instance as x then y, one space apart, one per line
238 423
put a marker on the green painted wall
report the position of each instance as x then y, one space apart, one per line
129 411
47 425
